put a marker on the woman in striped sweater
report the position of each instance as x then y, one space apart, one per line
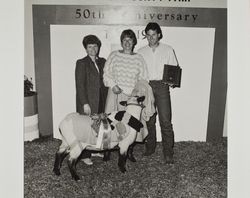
122 70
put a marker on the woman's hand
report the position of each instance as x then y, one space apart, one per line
116 89
87 109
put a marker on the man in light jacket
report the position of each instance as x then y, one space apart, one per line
156 54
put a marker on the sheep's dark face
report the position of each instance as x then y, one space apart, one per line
140 99
133 100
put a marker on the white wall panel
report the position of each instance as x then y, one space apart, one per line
194 49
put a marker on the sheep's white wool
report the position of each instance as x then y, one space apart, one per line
77 132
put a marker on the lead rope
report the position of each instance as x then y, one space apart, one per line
116 102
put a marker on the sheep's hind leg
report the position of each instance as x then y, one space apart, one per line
60 155
72 161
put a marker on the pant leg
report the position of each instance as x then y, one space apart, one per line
165 118
151 138
163 105
101 106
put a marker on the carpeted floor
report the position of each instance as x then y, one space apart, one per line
200 170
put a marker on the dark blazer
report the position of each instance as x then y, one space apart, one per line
89 84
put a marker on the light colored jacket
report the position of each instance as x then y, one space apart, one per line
142 88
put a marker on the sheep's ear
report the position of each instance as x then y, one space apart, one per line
123 103
141 99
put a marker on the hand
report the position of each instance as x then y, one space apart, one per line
171 85
116 89
87 109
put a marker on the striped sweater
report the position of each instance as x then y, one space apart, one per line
124 70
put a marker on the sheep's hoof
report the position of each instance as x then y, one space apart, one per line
56 171
122 162
122 169
105 159
131 158
76 178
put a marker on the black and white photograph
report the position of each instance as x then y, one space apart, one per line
127 98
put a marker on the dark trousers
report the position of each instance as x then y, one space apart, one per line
102 101
163 105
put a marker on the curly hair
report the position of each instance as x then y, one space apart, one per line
91 39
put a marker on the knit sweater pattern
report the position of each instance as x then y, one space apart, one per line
124 70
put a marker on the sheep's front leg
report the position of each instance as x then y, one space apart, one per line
122 162
124 145
106 156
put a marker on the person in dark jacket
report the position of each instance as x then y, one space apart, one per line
90 91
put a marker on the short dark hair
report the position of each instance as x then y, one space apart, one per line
91 39
130 34
154 26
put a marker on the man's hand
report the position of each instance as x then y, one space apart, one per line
87 109
116 89
171 85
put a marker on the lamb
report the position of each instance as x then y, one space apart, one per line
74 141
118 130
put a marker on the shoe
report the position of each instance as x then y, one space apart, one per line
148 153
169 160
97 155
87 161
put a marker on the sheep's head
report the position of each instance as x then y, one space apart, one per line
134 100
